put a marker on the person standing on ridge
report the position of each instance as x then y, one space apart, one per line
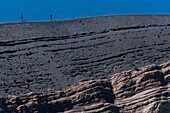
51 17
22 18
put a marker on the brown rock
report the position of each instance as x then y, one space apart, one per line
143 90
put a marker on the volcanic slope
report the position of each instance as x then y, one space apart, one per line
140 90
36 56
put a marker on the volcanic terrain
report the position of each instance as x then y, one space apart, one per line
41 56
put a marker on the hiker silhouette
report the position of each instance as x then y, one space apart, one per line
22 18
51 17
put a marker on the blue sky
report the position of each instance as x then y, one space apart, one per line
11 10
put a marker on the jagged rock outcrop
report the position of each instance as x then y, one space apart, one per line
90 96
140 90
143 90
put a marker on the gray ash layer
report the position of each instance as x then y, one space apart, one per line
36 56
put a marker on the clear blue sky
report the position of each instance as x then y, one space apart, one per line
10 10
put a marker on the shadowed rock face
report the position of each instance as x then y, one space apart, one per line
140 90
36 56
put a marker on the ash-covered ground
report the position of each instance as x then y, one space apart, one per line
37 56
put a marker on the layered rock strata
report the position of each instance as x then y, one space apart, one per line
36 56
140 90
